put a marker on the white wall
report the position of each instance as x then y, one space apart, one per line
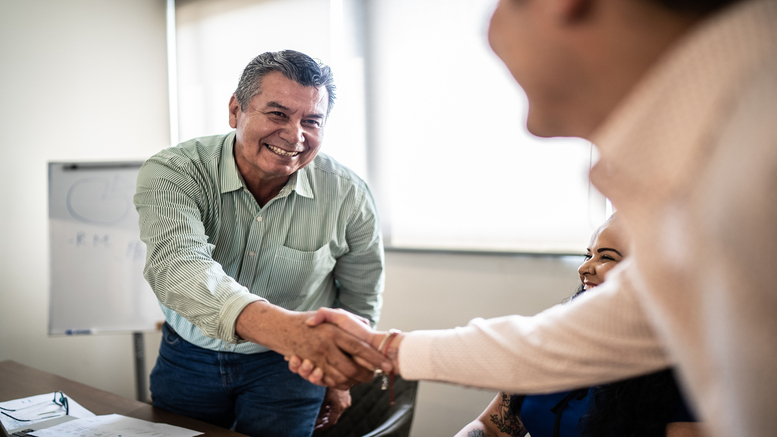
86 80
80 80
432 291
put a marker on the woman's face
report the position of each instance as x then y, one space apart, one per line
607 248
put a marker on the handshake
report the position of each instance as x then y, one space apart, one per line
328 347
367 352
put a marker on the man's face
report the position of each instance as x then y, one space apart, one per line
281 129
521 33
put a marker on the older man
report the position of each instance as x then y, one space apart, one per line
247 231
680 96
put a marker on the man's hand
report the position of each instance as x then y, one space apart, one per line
327 346
335 403
351 323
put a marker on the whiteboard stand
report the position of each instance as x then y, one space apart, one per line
140 366
97 257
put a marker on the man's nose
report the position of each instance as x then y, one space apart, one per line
293 134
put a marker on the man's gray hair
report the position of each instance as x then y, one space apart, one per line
296 66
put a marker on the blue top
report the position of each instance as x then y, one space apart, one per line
539 420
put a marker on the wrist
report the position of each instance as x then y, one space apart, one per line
261 322
376 339
387 343
392 351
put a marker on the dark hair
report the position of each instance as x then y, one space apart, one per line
296 66
701 7
636 407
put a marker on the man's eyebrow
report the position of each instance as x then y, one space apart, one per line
277 105
273 104
608 248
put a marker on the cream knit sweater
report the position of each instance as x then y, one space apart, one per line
690 162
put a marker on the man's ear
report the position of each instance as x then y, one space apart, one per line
234 110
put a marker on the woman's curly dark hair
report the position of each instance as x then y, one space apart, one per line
636 407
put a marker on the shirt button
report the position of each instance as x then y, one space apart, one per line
251 253
259 218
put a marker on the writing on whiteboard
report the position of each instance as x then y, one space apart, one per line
99 200
134 250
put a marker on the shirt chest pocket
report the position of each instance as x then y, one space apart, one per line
295 275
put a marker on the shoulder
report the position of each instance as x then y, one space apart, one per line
197 151
192 166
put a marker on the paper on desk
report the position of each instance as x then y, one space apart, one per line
35 408
114 425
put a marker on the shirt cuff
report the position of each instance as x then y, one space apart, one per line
229 313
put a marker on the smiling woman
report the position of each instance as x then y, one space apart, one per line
608 247
647 406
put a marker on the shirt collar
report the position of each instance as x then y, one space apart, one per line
302 181
232 180
230 176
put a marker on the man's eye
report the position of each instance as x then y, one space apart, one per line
313 122
278 113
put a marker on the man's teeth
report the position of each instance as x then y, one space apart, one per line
281 152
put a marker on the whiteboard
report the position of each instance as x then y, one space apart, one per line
96 256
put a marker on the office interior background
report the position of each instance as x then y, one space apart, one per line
433 128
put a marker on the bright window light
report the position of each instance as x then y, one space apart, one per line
426 113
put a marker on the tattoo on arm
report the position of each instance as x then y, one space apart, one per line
477 433
505 421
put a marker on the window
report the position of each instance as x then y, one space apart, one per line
426 113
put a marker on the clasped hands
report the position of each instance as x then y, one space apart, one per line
329 347
357 326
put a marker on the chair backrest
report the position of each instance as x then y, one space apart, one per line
371 413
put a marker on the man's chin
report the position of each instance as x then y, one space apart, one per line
540 129
552 127
545 125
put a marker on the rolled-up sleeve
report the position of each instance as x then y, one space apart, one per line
179 267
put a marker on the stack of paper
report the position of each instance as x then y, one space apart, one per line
114 425
46 418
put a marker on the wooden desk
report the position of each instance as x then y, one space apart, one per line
20 381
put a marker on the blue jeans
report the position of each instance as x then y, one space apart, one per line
253 394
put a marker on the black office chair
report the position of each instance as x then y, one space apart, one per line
371 413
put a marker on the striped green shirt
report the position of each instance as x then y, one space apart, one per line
212 250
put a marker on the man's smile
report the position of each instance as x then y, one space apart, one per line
279 151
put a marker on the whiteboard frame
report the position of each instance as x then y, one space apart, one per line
138 293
